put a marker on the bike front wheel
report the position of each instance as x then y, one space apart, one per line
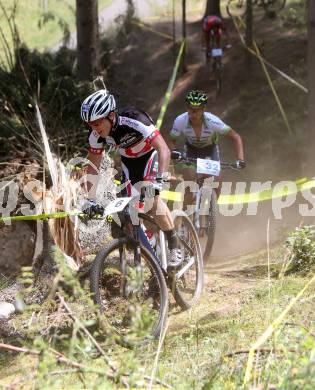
187 281
207 228
130 290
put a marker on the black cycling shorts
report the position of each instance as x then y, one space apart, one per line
210 151
139 169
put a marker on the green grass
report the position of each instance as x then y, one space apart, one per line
204 348
29 15
205 343
294 15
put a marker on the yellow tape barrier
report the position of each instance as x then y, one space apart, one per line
301 184
269 331
37 217
257 54
146 27
170 86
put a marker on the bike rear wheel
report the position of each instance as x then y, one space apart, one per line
133 297
217 70
187 281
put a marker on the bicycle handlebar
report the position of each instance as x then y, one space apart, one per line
177 156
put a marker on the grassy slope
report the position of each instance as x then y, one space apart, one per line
236 308
202 346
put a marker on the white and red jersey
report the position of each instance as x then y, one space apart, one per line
132 134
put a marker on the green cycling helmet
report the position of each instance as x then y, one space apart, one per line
196 98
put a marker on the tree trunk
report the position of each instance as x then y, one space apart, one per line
311 76
249 32
184 67
213 8
88 51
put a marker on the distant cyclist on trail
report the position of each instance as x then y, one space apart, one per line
201 130
144 154
215 23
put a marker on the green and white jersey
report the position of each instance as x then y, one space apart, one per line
212 127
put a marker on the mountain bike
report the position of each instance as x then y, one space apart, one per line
129 278
238 7
205 206
215 59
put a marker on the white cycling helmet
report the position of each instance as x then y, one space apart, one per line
98 105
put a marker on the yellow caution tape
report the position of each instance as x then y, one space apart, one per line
170 85
37 217
262 62
149 28
301 184
171 195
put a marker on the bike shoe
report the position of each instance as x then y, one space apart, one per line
175 258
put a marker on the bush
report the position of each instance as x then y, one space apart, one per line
50 79
301 246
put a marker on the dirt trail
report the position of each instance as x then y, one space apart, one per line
245 103
244 233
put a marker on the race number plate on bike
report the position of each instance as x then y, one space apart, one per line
117 205
216 52
208 167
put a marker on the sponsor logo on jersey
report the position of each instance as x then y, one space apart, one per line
128 140
130 122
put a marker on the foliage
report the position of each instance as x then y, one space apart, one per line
301 246
294 15
50 80
69 336
59 14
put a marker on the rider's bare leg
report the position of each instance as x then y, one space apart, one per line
163 218
219 186
189 175
161 214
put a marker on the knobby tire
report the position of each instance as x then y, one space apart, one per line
101 265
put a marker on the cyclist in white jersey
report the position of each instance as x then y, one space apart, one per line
201 131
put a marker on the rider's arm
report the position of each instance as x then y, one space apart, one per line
164 154
95 153
176 131
172 143
238 143
92 171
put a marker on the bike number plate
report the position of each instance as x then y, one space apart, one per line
208 167
216 52
116 206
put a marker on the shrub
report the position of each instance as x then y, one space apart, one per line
301 246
